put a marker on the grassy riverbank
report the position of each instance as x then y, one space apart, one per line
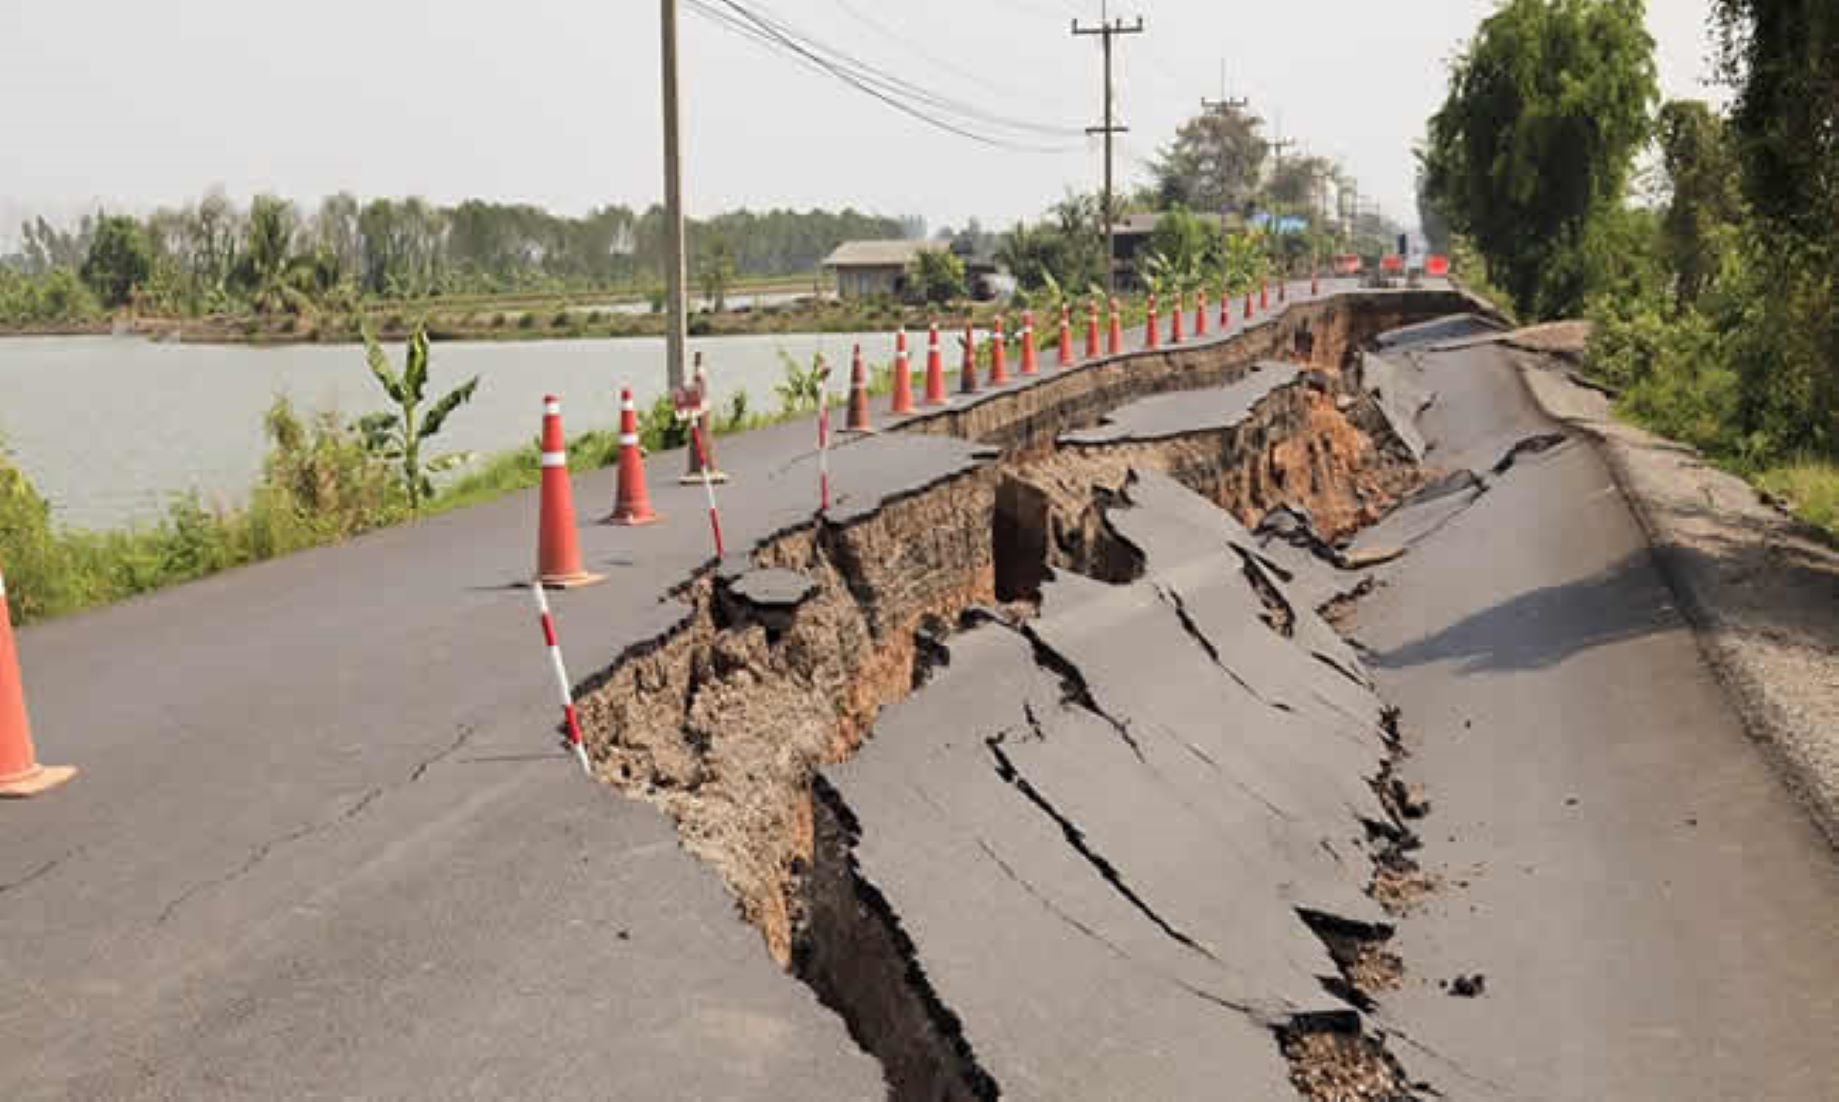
319 486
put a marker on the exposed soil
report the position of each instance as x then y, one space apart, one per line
1329 1065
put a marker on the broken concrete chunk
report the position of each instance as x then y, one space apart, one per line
769 597
1531 445
773 588
1363 557
1400 400
1293 525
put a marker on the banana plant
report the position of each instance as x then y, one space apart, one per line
397 436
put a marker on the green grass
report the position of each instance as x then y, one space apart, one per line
1811 487
318 487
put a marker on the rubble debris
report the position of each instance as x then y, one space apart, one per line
1338 611
1329 1065
1364 557
1293 525
1409 799
1468 987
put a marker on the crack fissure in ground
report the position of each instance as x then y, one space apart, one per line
356 808
889 583
856 956
1075 688
1075 837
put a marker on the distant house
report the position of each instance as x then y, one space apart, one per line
867 269
1132 234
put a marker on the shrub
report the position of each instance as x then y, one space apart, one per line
659 429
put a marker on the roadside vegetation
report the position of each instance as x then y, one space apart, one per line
1713 279
326 480
1278 220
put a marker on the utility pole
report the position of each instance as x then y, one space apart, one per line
1277 147
676 323
1223 107
1106 30
1348 206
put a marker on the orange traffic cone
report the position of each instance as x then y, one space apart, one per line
967 371
558 550
1152 335
935 368
1200 312
1248 305
1031 363
1092 330
1264 294
1114 343
858 396
903 376
20 773
631 501
999 355
705 455
1175 322
1225 308
1066 335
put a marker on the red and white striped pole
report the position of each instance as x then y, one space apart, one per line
690 403
708 485
562 684
823 436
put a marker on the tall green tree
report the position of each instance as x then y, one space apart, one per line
715 270
1704 203
1547 108
936 276
1214 163
120 259
1783 58
267 272
1186 242
1431 219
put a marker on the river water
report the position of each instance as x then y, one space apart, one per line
110 428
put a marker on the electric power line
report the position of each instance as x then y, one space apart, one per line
934 109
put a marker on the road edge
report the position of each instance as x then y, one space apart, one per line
1774 713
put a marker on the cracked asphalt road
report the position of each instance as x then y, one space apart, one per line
1654 915
324 845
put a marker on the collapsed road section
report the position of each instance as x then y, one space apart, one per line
1056 731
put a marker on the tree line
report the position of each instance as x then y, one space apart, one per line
1714 279
213 256
1284 213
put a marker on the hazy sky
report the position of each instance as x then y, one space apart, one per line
556 101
